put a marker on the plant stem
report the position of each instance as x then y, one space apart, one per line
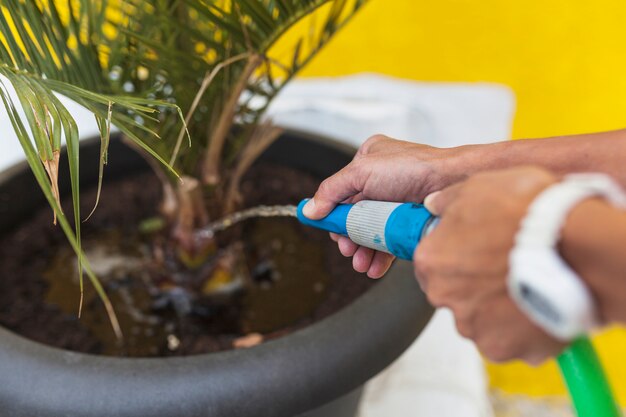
261 138
206 82
191 213
211 164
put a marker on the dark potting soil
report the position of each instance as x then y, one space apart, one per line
266 276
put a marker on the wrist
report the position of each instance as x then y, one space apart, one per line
461 162
546 153
591 242
468 160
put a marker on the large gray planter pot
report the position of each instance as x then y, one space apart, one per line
317 371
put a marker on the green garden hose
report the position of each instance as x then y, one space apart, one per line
586 381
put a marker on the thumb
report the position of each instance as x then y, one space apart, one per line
332 191
438 202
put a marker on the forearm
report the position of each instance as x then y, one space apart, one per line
594 243
596 152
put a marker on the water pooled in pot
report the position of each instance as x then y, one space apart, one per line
257 281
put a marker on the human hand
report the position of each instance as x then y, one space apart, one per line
384 169
463 263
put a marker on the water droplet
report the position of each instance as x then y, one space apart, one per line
116 73
128 87
173 342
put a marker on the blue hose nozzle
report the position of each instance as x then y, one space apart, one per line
334 222
395 228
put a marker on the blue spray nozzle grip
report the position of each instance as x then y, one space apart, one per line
405 228
334 222
396 228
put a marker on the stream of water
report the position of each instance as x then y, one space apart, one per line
232 219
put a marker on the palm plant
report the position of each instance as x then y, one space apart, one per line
186 82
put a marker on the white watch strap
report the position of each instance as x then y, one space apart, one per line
548 291
547 213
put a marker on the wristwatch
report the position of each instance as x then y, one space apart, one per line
540 282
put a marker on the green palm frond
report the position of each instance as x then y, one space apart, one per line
42 53
183 52
141 65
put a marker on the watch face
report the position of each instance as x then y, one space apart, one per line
538 305
550 293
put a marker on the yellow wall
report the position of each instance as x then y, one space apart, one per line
564 59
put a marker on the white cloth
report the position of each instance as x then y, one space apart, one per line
356 107
441 374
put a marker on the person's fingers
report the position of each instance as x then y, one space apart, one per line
499 341
346 246
428 201
438 202
370 145
334 236
362 259
354 199
334 190
380 264
539 355
537 349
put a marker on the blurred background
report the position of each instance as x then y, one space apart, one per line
465 71
564 61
